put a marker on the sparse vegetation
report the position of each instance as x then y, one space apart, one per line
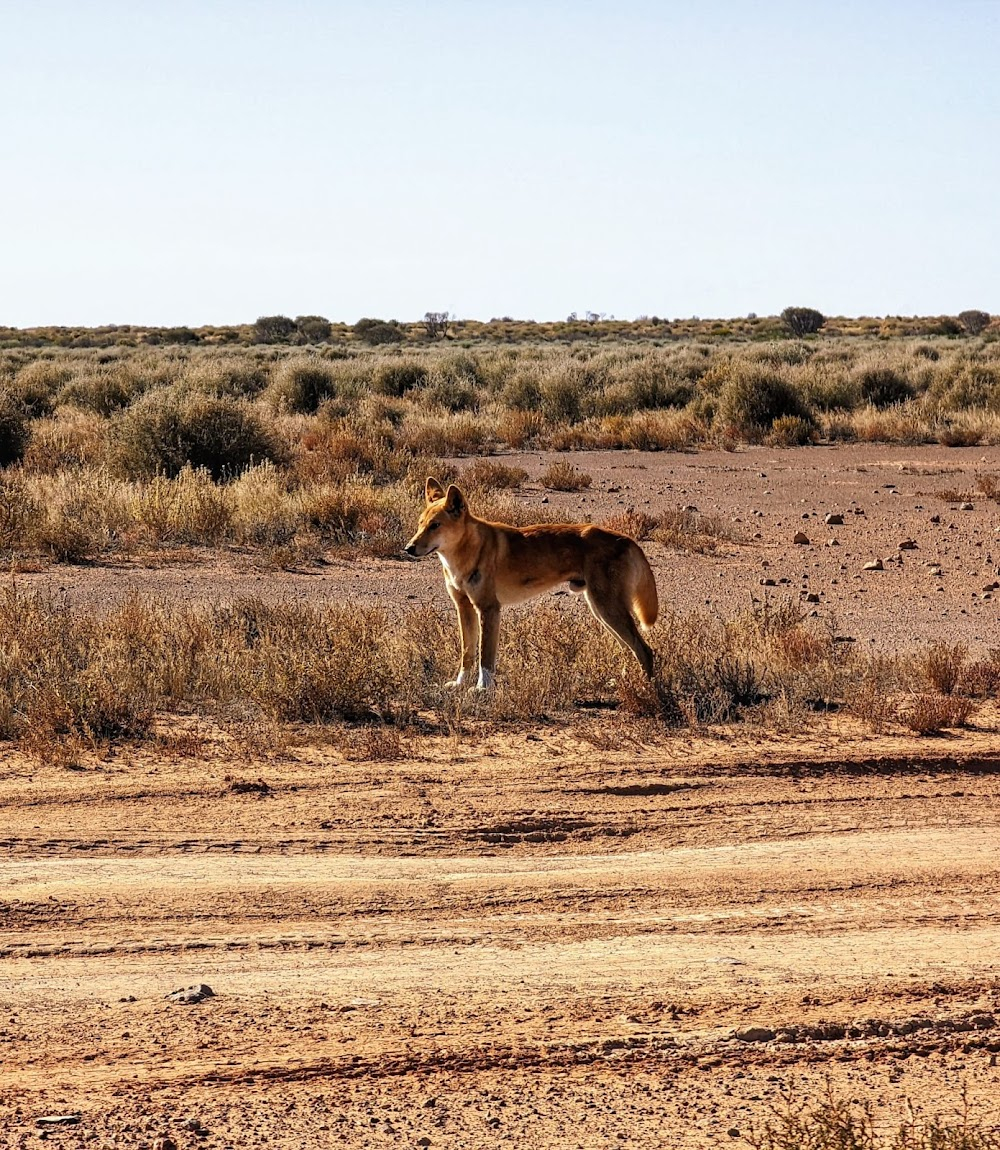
563 476
92 675
349 424
802 321
838 1123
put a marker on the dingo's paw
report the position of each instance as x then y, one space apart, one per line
454 685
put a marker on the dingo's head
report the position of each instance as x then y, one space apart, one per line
441 522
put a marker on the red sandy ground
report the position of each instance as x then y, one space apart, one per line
531 938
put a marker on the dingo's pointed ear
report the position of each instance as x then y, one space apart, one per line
455 501
433 490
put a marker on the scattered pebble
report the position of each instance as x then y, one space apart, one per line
874 565
800 537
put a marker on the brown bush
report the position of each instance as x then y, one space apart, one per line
493 475
931 714
942 665
563 476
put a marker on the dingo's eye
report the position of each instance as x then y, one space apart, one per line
434 526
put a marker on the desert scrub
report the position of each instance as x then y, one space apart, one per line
14 429
563 476
300 664
493 475
68 440
302 384
753 398
64 672
836 1123
172 429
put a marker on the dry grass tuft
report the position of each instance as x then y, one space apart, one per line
932 714
840 1124
942 665
691 531
637 525
491 475
563 476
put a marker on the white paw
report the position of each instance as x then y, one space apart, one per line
457 683
485 683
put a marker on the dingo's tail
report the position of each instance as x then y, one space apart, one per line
644 599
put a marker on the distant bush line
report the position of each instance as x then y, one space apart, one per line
794 323
294 450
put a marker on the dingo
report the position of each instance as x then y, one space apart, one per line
490 565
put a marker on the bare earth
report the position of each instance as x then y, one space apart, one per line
529 938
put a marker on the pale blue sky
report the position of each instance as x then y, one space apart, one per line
208 162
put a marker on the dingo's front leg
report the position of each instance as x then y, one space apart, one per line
468 629
489 623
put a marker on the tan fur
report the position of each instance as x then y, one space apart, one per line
491 565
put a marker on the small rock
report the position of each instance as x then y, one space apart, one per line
935 519
187 995
545 499
755 1034
691 507
58 1120
800 537
907 545
767 583
833 543
812 597
874 565
966 507
834 519
424 1141
164 1143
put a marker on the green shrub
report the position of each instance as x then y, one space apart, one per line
313 328
562 395
103 392
230 375
302 384
974 321
396 377
14 429
753 398
975 385
802 321
884 386
170 429
38 383
378 331
273 329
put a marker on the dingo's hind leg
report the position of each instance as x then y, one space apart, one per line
615 615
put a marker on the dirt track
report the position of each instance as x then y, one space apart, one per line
527 938
555 946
